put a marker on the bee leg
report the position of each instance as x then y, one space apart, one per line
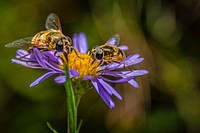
128 68
124 66
108 63
100 63
30 50
66 57
77 54
55 53
62 60
23 56
93 61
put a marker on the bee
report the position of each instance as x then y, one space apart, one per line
108 52
50 39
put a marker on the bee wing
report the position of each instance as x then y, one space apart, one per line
53 22
25 42
114 40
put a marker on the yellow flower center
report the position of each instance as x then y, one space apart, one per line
83 63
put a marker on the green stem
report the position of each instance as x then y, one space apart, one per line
73 99
71 104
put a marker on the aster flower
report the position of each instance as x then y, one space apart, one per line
83 68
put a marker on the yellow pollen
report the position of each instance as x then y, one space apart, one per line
83 63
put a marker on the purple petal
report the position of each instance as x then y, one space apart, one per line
47 60
52 66
113 66
34 65
132 57
130 80
26 64
42 78
109 66
133 62
94 82
19 62
113 73
24 55
118 74
50 56
80 42
133 83
87 77
60 79
83 43
129 61
73 73
39 57
22 52
109 89
123 47
75 43
135 73
103 94
119 80
125 74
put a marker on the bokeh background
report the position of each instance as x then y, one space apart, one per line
165 32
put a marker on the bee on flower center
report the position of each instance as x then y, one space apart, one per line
108 53
50 39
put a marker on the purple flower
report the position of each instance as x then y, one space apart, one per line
83 67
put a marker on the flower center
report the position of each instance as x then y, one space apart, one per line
83 63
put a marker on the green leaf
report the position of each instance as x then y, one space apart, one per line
51 128
79 126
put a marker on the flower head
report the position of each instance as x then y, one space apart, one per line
83 67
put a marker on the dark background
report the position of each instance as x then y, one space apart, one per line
165 32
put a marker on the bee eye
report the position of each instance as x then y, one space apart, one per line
99 54
59 46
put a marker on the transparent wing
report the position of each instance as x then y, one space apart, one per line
25 42
114 40
53 22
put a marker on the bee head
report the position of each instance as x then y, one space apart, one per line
62 43
97 53
59 45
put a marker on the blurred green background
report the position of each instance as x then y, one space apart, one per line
165 32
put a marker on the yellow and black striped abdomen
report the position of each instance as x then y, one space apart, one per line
112 53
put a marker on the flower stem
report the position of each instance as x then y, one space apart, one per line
71 104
